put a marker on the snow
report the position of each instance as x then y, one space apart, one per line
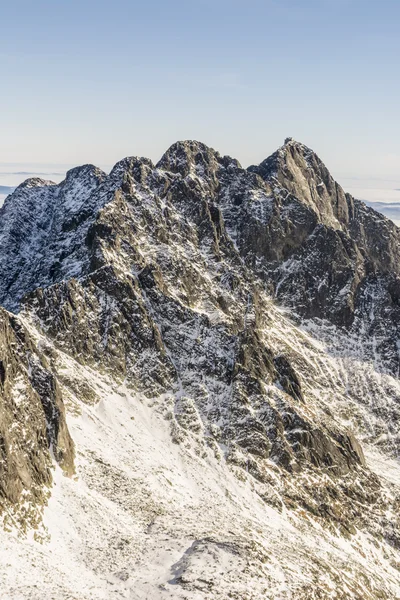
153 513
100 521
148 518
261 206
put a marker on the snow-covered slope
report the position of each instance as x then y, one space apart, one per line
226 445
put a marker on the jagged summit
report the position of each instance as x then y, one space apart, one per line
84 171
131 165
218 348
299 170
33 182
192 157
293 210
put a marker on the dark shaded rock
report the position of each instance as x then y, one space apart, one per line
32 424
42 231
287 378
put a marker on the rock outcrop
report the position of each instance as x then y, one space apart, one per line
33 427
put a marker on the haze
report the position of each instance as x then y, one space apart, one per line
96 81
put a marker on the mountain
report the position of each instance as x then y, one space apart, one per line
199 383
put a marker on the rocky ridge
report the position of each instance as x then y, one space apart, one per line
161 279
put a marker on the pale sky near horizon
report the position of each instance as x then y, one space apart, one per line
94 81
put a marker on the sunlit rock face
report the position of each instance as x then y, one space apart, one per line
253 313
33 426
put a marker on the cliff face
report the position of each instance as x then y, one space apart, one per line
345 267
254 313
33 426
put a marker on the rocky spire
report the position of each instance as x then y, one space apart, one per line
299 170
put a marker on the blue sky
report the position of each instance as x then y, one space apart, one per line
93 81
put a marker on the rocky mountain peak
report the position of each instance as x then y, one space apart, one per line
35 182
43 226
136 167
193 158
301 172
83 172
218 346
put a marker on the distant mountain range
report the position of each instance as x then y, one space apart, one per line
391 210
5 189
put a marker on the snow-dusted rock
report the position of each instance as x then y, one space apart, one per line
43 227
148 298
33 427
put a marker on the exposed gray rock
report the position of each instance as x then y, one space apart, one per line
160 279
345 258
32 426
